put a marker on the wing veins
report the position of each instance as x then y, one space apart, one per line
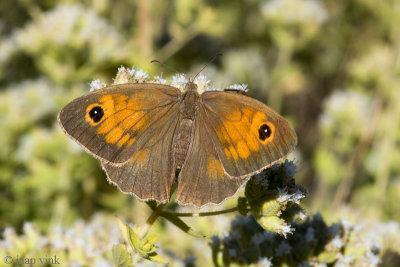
138 136
260 144
234 146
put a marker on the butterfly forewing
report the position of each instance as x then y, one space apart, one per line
247 135
113 123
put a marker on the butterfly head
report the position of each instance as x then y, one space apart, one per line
191 86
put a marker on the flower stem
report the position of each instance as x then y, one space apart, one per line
201 214
150 221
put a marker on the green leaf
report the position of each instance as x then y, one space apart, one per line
134 241
152 239
157 258
124 230
121 256
181 225
271 208
145 247
148 243
272 223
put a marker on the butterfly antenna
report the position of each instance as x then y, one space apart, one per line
164 65
211 60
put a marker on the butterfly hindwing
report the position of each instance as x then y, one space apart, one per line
150 172
202 178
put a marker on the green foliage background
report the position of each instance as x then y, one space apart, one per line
330 67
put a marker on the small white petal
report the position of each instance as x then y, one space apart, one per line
297 196
240 87
283 195
286 229
337 242
96 85
160 80
265 262
179 81
302 215
202 83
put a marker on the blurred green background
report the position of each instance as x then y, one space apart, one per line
332 68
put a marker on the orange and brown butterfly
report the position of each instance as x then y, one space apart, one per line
143 130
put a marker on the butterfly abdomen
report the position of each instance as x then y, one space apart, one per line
182 141
183 135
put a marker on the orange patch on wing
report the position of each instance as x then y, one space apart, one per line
120 98
106 126
107 104
118 118
233 133
120 106
139 124
252 142
257 120
139 101
134 117
122 115
233 153
115 113
114 135
243 150
123 140
131 141
223 136
245 128
241 128
214 168
236 115
227 153
248 113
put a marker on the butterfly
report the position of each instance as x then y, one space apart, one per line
143 132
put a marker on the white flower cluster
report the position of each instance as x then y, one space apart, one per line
350 104
179 80
240 87
132 75
28 101
96 85
89 243
295 11
73 25
284 196
265 262
287 229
